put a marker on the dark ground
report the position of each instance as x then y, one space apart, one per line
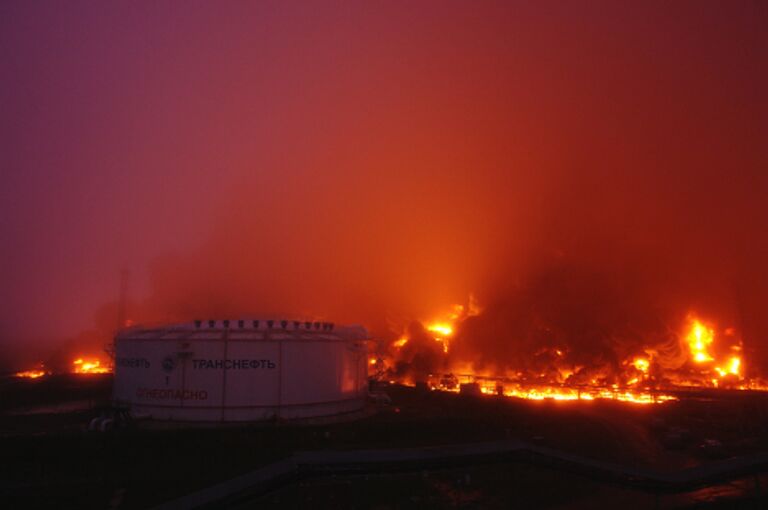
50 461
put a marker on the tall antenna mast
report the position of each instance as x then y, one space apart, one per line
122 300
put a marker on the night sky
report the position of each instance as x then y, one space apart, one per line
373 161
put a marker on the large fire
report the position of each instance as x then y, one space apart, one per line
721 369
704 358
443 327
89 366
80 365
700 338
443 332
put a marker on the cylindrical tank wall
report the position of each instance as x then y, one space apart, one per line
226 378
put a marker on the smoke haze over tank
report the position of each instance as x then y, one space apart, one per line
599 167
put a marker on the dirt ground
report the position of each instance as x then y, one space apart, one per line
49 460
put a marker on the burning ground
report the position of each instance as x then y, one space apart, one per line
569 335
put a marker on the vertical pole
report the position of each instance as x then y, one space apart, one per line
122 298
224 374
183 378
279 379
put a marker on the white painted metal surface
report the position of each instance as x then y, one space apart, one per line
245 371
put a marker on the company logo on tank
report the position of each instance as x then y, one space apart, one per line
233 364
168 364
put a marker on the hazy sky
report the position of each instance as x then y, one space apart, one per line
360 161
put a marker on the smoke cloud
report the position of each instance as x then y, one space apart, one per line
592 173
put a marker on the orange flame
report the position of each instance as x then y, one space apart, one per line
89 366
641 364
571 394
733 367
31 374
445 328
444 331
699 339
401 342
564 380
441 328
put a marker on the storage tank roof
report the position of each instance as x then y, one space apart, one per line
248 329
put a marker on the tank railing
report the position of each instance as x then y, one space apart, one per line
270 324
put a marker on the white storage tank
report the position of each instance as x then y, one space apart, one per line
241 370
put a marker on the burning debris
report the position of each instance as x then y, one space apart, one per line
723 370
699 356
80 365
32 374
89 366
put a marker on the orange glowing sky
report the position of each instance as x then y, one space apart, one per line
362 162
